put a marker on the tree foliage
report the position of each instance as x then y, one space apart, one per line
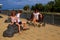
52 6
26 7
33 8
57 6
37 6
49 6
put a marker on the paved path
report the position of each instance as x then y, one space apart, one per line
49 32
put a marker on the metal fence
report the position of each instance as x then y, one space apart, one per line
48 18
52 19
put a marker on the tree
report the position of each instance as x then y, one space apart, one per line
39 7
49 6
57 6
33 8
26 7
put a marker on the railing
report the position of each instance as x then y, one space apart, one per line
50 18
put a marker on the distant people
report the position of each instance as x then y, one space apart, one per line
36 16
14 19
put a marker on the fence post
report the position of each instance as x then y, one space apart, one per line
53 18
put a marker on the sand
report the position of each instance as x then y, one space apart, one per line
49 32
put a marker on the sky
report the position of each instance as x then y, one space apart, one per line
19 4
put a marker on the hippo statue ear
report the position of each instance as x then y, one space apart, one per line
8 20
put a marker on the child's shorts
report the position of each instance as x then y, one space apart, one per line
20 22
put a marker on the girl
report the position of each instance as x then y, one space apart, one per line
19 21
37 17
18 16
14 20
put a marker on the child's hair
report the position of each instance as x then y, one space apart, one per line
36 10
19 11
13 13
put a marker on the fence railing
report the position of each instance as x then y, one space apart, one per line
50 18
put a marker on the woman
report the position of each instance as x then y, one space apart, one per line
14 19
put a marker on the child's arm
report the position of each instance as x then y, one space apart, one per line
40 15
11 20
16 19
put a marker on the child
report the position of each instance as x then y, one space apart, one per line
18 16
14 20
19 21
36 16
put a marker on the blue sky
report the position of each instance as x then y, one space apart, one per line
10 4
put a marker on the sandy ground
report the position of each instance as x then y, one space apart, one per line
49 32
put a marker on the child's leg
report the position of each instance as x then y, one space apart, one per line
24 26
11 23
18 27
34 20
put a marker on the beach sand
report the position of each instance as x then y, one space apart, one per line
49 32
